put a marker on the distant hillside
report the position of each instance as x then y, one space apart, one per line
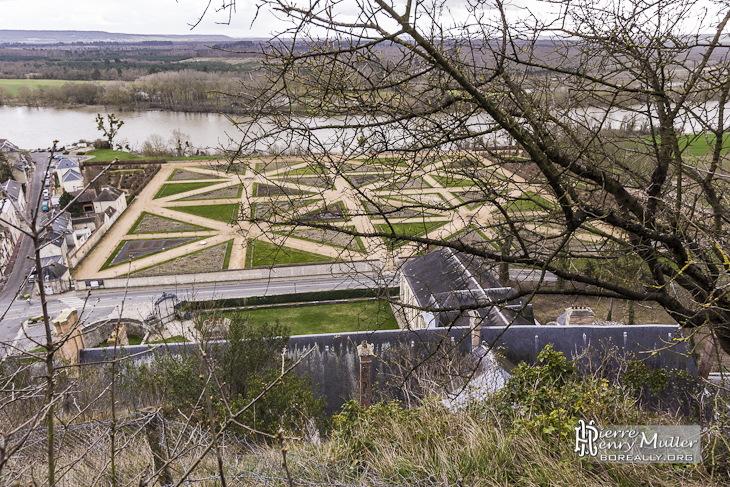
71 36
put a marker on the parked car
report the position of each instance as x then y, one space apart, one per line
45 194
44 206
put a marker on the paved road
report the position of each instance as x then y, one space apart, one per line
102 304
22 264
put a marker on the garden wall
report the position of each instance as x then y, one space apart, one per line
333 365
336 269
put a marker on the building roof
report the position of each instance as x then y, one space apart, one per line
110 211
13 188
449 284
72 175
7 146
109 193
61 224
87 196
52 268
65 163
92 218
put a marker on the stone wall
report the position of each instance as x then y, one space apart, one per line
336 269
334 367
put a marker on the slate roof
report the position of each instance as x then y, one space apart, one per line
13 188
52 268
87 196
65 163
72 175
449 283
109 193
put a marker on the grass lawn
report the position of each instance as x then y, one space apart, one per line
329 318
176 188
268 254
703 145
407 230
223 213
453 182
110 154
12 85
530 201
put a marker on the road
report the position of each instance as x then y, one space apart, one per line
22 265
102 304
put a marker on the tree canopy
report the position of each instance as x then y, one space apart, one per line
586 140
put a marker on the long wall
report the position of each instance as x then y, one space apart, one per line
333 365
260 273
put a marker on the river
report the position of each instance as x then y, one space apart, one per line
33 128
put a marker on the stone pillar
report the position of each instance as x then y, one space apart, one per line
365 352
66 329
475 325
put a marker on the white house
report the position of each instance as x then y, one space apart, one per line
110 197
72 180
7 244
64 165
13 203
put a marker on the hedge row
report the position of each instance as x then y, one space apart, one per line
286 298
94 162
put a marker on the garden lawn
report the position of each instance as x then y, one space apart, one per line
530 201
407 230
329 318
109 155
223 213
177 188
267 254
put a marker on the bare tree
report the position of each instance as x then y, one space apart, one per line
587 139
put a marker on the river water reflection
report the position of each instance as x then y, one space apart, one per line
32 128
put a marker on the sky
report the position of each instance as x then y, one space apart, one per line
132 17
163 16
176 16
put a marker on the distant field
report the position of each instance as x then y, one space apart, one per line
250 62
12 85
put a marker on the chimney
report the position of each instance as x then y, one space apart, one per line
579 316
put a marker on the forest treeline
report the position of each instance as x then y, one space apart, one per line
186 90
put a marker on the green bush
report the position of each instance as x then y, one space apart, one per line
251 361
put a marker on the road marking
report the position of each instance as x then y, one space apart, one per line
76 303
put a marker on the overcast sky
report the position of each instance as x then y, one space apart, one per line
130 16
176 17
